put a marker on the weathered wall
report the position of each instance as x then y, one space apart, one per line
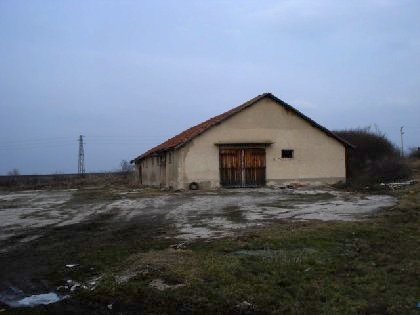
316 155
150 171
172 161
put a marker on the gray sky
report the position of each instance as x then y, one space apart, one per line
130 74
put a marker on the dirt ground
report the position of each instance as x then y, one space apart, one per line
194 215
46 234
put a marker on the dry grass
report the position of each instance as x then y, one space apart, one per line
317 267
311 267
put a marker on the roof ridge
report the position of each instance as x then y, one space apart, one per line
189 134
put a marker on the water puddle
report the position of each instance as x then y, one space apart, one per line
16 298
39 299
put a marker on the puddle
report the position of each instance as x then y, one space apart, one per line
160 285
16 298
40 299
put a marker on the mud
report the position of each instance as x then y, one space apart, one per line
43 232
201 215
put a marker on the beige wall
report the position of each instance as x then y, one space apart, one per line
316 155
172 169
151 170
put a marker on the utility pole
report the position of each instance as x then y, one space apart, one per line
81 164
402 141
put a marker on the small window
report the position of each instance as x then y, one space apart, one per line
287 154
169 157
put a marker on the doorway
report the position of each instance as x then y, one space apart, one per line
242 167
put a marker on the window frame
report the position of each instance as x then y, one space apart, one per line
287 153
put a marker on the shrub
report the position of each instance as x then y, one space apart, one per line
126 167
374 159
414 153
388 169
13 172
370 145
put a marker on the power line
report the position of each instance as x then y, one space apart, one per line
93 144
38 144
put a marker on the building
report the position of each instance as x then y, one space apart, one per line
264 141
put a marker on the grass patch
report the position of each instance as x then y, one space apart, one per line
288 267
88 195
368 267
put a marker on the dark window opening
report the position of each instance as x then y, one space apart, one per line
287 154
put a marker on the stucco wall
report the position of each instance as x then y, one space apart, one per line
172 163
150 172
316 155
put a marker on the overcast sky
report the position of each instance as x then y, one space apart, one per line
130 74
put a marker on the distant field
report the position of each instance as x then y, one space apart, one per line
19 182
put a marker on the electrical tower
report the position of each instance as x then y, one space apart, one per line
81 164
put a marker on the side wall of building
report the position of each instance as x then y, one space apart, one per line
151 172
317 156
173 163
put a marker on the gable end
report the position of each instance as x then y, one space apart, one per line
188 135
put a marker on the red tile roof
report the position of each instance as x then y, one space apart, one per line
191 133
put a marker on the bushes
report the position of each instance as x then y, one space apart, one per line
389 169
374 160
414 153
370 145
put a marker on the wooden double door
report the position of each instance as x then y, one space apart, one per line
242 167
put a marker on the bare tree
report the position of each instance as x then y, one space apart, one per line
126 167
13 172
